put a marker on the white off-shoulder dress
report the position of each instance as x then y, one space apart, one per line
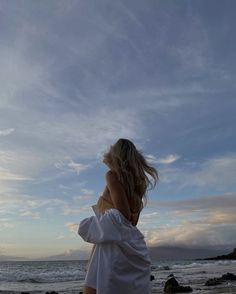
120 262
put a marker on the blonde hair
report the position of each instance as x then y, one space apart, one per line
131 167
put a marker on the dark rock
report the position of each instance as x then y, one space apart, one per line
80 292
152 278
172 286
229 276
214 281
184 289
172 282
52 292
24 292
217 281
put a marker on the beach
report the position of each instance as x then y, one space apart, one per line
66 277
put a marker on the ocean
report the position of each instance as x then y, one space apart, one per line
66 277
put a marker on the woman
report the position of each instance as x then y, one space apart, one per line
119 261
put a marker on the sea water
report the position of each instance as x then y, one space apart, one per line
67 277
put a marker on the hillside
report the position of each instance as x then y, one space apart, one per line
231 255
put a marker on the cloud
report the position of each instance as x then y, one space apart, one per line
215 217
60 237
6 223
19 74
9 176
208 220
69 165
13 203
32 214
71 209
19 164
150 215
164 160
224 201
222 217
64 187
6 132
198 235
87 193
217 171
73 227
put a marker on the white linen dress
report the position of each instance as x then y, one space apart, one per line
120 262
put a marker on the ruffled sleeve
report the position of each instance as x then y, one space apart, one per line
101 228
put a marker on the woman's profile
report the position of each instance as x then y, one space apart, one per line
119 261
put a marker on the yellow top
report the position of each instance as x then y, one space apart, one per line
103 204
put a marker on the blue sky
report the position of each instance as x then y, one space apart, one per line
77 75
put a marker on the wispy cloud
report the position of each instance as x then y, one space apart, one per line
227 200
6 223
69 165
216 171
60 237
73 227
6 132
150 215
32 214
9 176
164 160
216 217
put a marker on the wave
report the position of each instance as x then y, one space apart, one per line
185 264
41 277
202 264
63 272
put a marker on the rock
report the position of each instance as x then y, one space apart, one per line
214 281
229 276
172 282
152 278
217 281
52 292
172 286
184 289
24 292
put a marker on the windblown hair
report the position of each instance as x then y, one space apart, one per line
131 167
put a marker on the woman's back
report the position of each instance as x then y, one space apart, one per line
104 203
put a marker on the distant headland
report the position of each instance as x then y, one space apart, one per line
231 255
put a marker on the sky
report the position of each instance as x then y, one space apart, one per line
75 76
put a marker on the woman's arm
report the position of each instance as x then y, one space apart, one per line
106 227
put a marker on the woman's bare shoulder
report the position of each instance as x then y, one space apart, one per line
111 175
